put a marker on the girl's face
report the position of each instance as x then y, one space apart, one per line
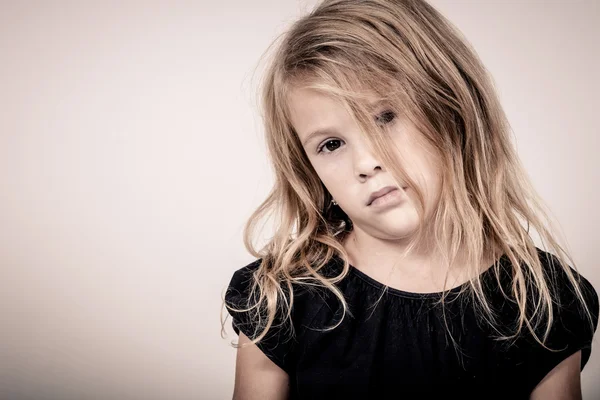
351 172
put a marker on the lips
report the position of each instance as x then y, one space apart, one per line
379 193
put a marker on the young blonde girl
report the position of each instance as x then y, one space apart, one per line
402 262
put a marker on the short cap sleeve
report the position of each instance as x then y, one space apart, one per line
571 330
277 344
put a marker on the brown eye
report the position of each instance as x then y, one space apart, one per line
327 145
385 117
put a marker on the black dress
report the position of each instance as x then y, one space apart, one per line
401 348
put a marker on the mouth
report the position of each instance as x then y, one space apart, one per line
382 192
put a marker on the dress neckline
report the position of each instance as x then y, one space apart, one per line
415 295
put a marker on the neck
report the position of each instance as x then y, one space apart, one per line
425 263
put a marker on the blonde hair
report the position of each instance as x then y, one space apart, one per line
413 59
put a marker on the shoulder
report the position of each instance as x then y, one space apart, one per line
242 289
241 282
568 295
250 313
572 328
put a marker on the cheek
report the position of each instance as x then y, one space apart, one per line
330 172
433 188
330 180
426 176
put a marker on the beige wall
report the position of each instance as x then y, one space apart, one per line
130 156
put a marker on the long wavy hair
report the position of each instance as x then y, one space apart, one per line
410 57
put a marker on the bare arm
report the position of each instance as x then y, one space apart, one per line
562 383
256 376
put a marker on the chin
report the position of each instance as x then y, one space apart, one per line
395 230
396 224
402 232
403 226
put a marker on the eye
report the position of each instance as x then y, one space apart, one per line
326 144
385 117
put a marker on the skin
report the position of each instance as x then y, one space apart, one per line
256 376
562 383
350 172
259 378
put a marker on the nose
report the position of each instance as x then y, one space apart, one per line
365 163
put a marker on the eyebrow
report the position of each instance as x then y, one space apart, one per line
374 105
319 133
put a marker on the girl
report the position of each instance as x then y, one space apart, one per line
402 263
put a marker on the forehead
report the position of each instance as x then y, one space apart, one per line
314 113
307 106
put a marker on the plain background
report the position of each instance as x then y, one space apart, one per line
131 155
